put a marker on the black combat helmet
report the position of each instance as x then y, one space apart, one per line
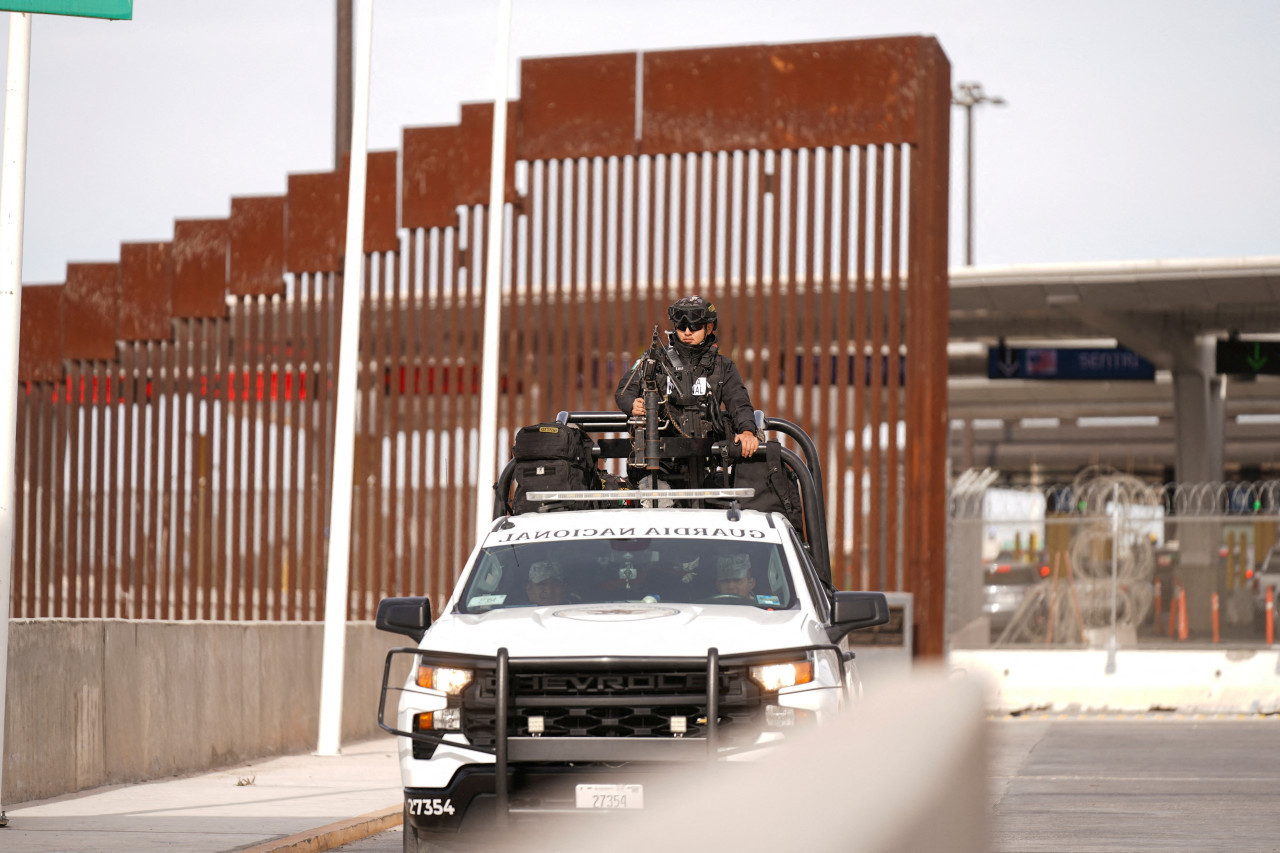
691 311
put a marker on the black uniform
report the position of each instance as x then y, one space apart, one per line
719 406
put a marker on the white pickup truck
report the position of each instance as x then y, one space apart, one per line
586 649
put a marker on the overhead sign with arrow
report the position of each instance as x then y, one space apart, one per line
1116 363
1248 358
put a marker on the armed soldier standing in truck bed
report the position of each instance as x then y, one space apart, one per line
707 398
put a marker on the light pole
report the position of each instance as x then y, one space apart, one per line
342 85
969 95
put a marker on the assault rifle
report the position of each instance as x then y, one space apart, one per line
647 448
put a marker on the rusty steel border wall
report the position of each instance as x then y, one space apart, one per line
176 407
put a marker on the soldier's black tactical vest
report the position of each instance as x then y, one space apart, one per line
694 404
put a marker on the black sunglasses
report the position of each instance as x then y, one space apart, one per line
692 320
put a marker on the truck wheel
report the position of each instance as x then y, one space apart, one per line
413 843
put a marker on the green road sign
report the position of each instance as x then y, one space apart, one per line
121 10
1248 358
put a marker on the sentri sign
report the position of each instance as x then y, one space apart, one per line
1116 363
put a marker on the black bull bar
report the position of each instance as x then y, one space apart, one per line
507 748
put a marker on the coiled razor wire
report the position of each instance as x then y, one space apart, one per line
1203 500
968 493
1110 563
1077 597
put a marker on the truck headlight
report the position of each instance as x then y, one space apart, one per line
444 678
775 676
448 719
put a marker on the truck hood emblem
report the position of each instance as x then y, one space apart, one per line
616 613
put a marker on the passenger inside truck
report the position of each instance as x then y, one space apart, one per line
733 576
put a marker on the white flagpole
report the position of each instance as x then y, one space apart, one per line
491 344
13 192
336 584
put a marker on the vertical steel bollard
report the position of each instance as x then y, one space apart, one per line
1182 613
1155 620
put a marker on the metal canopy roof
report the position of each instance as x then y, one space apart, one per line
1054 300
1146 305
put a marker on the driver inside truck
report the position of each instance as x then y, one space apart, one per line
733 576
546 584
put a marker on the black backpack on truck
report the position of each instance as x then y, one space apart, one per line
551 457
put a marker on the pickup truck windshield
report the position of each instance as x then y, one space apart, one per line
668 570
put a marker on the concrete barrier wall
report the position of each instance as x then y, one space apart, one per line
905 770
104 701
1219 681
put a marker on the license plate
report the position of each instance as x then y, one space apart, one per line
610 796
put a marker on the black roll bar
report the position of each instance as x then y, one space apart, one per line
502 488
815 517
811 458
808 471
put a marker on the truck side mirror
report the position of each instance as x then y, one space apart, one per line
855 610
410 616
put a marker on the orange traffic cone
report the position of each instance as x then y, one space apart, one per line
1271 616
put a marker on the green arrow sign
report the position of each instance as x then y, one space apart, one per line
121 10
1248 358
1256 359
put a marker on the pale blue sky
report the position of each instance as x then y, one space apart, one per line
1135 130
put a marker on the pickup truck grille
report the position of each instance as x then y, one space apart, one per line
614 703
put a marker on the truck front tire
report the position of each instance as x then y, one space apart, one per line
413 843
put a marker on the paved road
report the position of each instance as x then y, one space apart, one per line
1154 782
1134 783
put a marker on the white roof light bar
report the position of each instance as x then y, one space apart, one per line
640 494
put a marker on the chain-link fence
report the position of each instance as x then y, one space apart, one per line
1110 560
